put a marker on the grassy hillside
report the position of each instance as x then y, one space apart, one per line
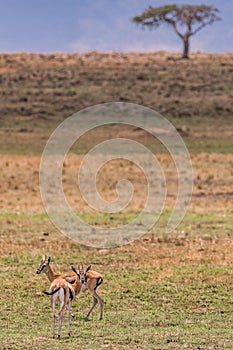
39 91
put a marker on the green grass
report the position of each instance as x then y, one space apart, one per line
214 225
205 135
186 310
147 305
24 226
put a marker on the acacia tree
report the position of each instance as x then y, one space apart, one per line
186 20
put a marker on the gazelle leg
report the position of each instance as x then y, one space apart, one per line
69 314
96 299
60 318
53 302
101 307
54 324
100 300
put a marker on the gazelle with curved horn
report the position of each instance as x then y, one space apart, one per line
64 292
93 281
90 280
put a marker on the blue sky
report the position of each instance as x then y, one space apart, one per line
101 25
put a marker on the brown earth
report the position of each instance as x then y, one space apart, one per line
39 91
213 182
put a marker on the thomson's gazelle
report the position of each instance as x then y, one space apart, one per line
64 292
91 280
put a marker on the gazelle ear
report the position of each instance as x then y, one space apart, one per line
43 257
88 268
49 259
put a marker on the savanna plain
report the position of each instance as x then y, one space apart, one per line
162 291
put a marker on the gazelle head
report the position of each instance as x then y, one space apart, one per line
81 272
44 265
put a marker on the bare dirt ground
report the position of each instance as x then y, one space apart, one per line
212 192
205 242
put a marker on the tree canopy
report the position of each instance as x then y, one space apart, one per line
186 20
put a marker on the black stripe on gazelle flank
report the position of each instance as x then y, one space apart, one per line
99 282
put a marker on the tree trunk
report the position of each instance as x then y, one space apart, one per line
186 47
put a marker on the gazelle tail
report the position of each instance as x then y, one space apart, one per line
53 292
